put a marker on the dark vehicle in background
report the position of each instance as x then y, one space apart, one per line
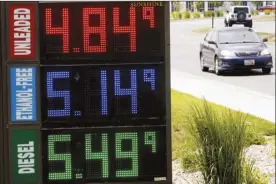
267 7
234 48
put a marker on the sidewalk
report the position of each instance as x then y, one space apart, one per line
231 96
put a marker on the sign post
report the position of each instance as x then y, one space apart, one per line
88 92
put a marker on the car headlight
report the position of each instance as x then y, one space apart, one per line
265 52
227 53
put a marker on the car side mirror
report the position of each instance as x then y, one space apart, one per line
212 42
265 39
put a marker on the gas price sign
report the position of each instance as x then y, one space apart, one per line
105 154
121 32
102 93
101 90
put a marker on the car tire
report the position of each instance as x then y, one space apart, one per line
266 71
225 23
203 68
217 72
230 24
249 24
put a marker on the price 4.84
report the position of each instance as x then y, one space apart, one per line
100 29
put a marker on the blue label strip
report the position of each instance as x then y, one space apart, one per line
23 94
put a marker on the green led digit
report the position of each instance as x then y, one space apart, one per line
150 139
103 155
133 154
52 156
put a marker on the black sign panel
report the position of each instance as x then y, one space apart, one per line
109 154
104 94
80 94
112 32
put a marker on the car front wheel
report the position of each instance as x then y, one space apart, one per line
266 70
203 68
217 71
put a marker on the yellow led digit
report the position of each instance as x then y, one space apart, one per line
66 157
133 154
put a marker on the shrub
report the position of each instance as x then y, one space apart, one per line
186 15
179 15
256 12
221 13
174 15
208 13
252 138
252 175
221 139
267 12
189 162
196 15
252 12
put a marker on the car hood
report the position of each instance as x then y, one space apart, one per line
243 47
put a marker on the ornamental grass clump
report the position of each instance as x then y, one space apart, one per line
221 138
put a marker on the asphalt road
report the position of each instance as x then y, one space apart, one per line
185 55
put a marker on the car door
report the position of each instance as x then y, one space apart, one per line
208 49
205 46
212 48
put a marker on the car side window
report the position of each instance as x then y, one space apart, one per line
208 36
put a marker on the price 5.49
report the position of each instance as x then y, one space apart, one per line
128 147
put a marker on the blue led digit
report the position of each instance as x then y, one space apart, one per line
149 76
58 94
103 92
132 91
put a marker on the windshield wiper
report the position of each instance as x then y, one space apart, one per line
237 42
228 42
250 42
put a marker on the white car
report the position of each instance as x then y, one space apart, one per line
238 15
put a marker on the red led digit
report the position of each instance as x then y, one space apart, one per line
63 30
131 29
148 14
88 30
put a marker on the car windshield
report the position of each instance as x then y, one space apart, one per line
240 36
241 9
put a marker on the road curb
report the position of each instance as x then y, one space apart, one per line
234 97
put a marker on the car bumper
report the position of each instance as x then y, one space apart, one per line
235 63
233 21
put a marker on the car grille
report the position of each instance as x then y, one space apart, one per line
241 65
242 54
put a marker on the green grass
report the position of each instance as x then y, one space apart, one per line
183 143
272 142
202 30
253 175
270 36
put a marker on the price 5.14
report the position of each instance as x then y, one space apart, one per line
90 93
